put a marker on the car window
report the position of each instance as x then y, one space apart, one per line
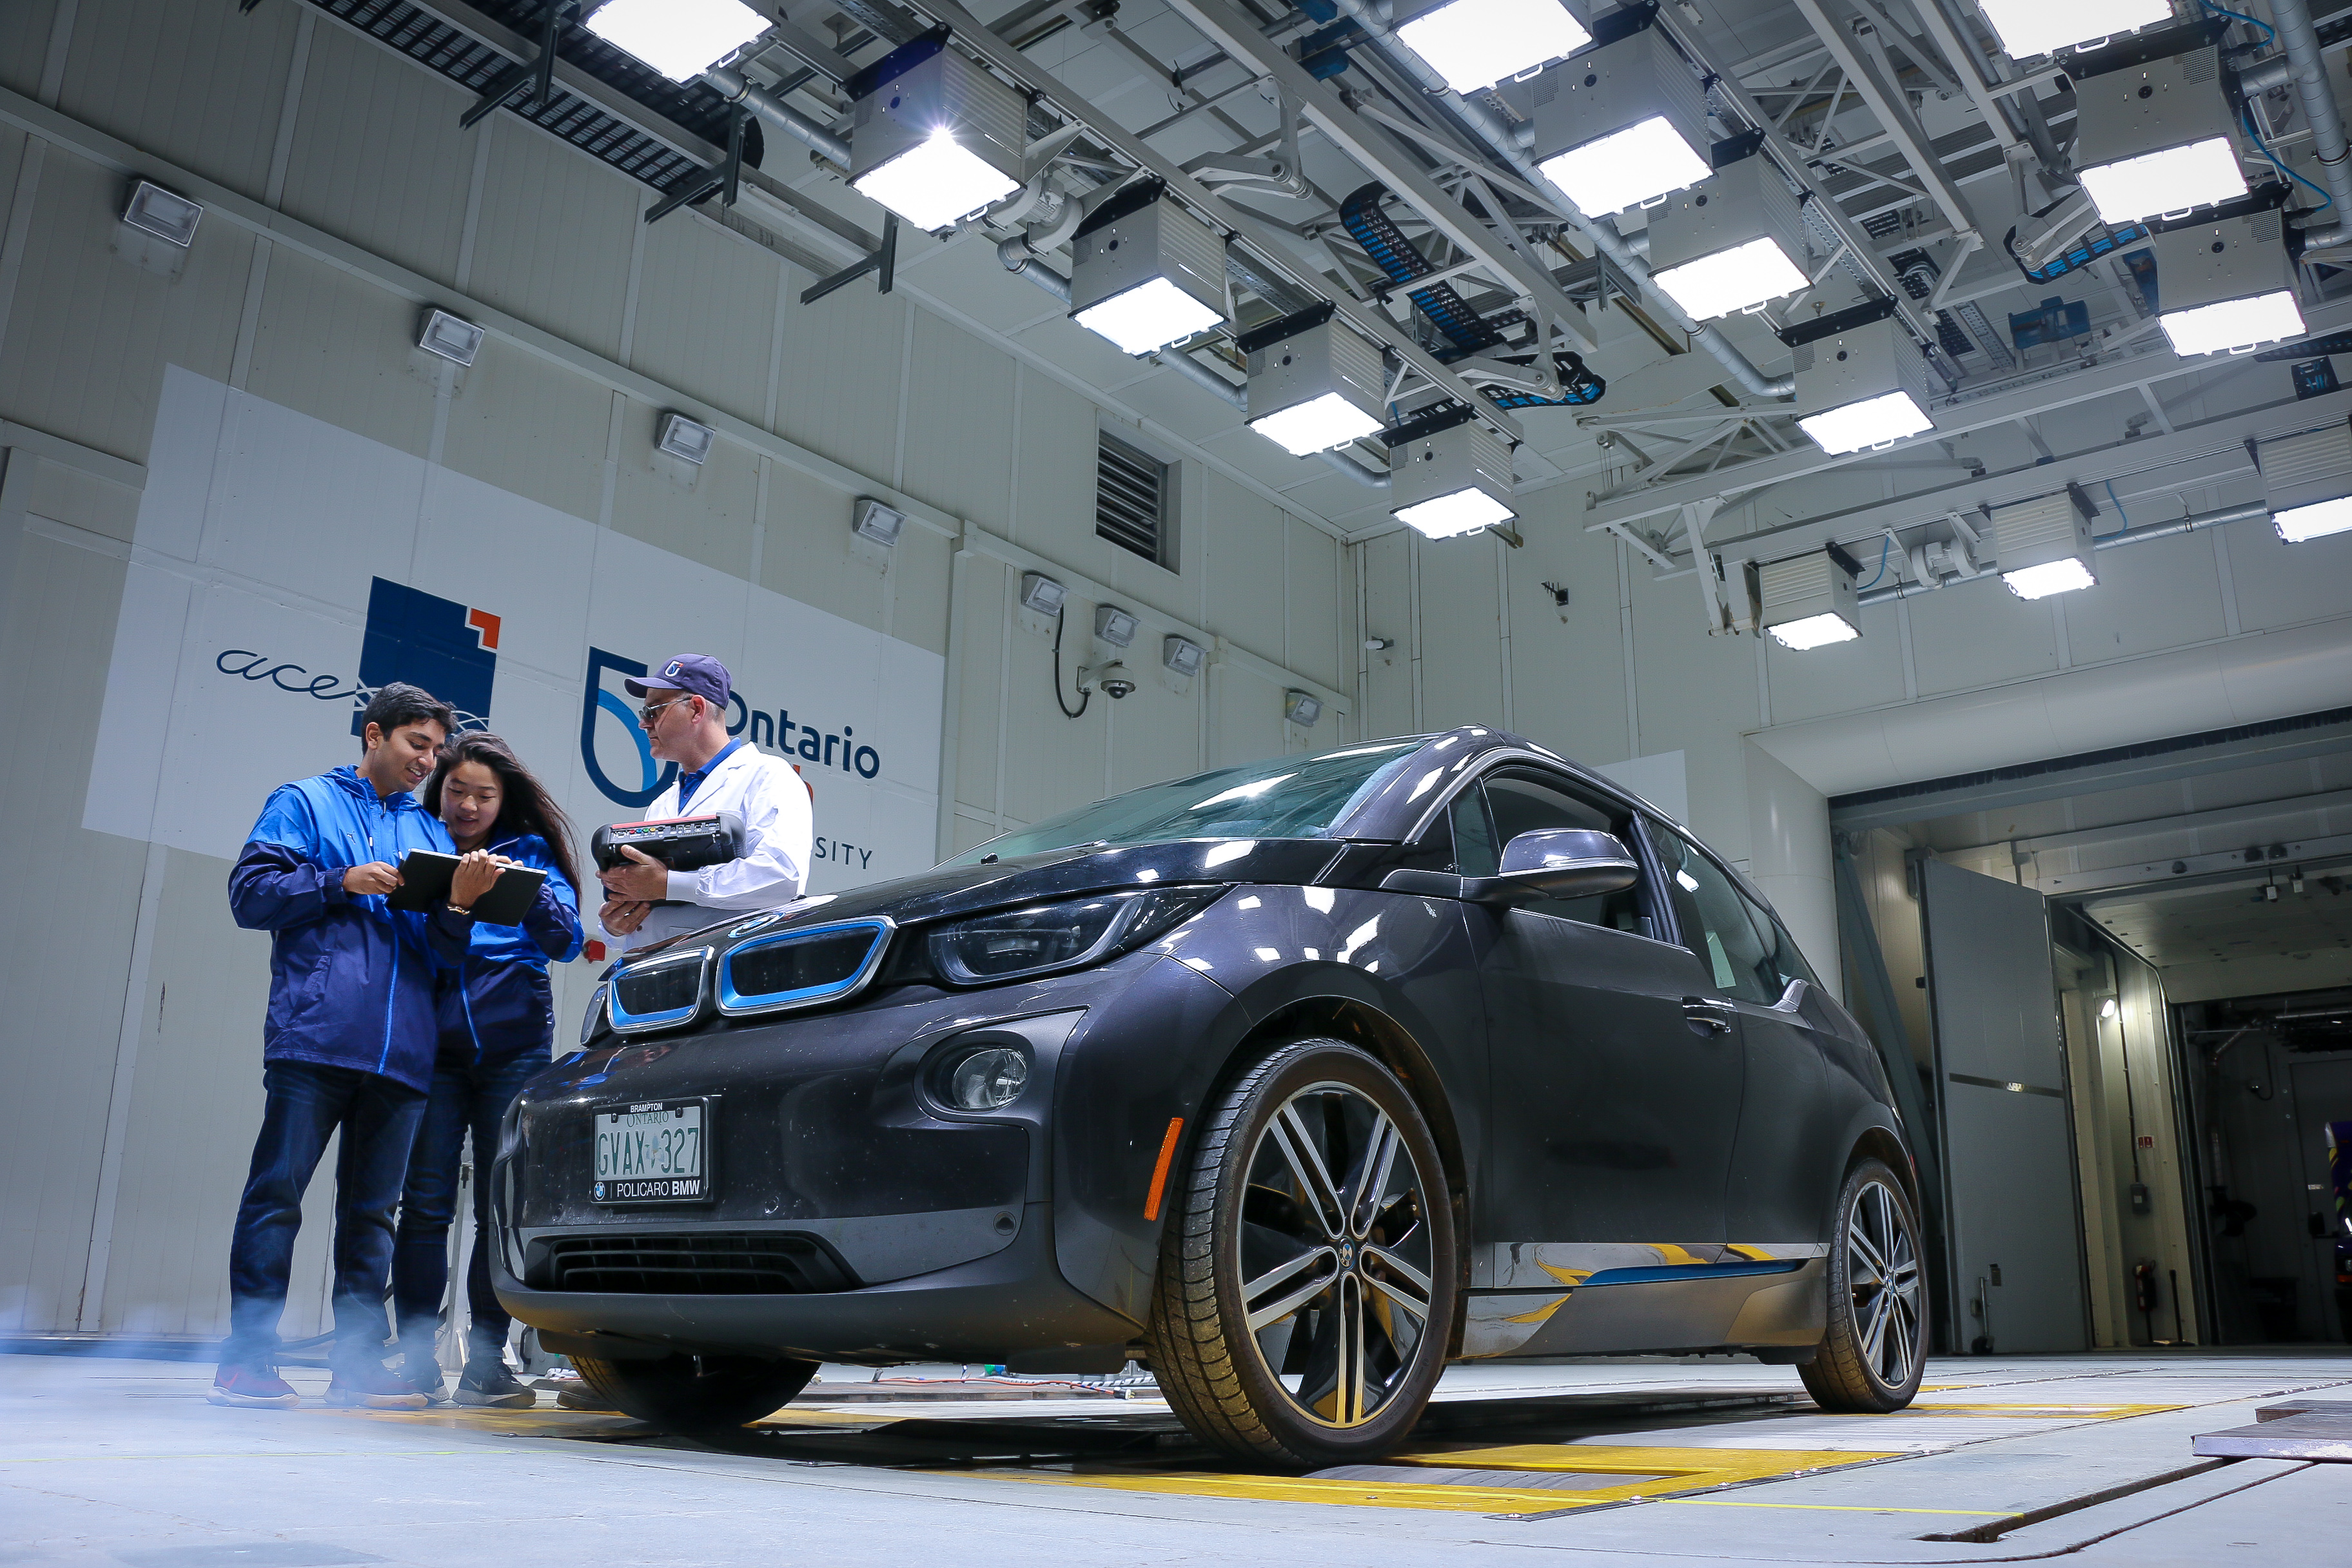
1715 920
1522 800
1781 954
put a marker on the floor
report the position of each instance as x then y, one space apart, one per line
115 1462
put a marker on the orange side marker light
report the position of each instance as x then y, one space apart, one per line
1160 1171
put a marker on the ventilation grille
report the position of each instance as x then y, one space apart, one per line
473 65
1131 500
693 1263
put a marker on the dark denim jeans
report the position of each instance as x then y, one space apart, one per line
308 1103
467 1097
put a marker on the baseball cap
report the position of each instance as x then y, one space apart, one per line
696 674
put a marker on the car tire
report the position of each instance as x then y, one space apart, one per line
1329 1377
1876 1347
697 1393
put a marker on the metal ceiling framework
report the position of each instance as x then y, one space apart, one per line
1293 118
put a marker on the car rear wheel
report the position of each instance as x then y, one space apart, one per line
1308 1273
697 1393
1872 1356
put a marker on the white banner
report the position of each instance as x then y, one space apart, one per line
282 567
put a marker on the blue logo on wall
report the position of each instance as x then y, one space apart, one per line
449 650
649 778
625 770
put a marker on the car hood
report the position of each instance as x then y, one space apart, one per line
946 892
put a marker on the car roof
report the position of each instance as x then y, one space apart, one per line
1445 756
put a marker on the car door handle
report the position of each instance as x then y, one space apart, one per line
1707 1017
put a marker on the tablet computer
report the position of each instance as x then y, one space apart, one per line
425 876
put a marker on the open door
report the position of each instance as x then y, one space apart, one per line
2013 1229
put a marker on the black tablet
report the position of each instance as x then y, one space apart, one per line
425 876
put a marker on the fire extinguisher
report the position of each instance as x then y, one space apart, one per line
2144 1296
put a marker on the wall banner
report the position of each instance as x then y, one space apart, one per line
284 568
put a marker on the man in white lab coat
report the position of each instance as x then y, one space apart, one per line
684 718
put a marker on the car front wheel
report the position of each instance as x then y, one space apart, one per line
697 1393
1877 1346
1308 1273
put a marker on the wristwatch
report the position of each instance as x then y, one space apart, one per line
457 909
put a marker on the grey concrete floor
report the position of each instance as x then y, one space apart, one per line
115 1462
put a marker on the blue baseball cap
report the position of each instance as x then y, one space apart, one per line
696 674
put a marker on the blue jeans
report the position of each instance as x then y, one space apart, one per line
467 1097
306 1104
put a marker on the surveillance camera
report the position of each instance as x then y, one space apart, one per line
1115 682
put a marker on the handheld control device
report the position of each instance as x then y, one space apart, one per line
680 842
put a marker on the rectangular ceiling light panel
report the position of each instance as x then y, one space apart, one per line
679 38
1805 602
1622 124
2157 138
164 214
1474 44
2044 546
1148 273
2226 287
2307 481
1456 480
1861 388
1729 242
1316 389
2037 27
937 139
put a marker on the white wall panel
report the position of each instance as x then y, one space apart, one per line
1980 633
2283 584
552 236
1054 488
703 511
519 423
1697 696
707 313
1318 624
960 424
1237 542
192 81
25 29
979 667
2113 620
1568 667
332 346
839 390
1387 697
378 158
1844 676
1461 649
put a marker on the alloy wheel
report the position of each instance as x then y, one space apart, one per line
1883 1274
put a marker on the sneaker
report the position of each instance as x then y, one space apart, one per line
422 1374
489 1382
572 1393
373 1386
253 1385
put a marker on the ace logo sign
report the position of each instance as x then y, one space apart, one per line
245 614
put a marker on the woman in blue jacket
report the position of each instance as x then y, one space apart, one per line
496 1024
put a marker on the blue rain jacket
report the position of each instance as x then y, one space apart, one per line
500 1007
351 980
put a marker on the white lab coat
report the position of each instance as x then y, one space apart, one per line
778 835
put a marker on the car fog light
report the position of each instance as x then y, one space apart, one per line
988 1079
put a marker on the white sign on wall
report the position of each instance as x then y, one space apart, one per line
282 567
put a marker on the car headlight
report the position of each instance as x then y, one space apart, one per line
1012 944
594 1016
986 1079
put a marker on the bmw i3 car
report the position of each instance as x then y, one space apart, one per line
1294 1081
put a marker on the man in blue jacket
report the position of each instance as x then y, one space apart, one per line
348 1040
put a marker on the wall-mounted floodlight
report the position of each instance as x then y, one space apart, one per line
1114 626
1474 44
1148 273
1183 654
2037 27
933 136
1863 387
872 520
1313 384
1729 242
1301 707
679 38
1807 601
689 440
1448 474
2044 547
164 214
1622 124
2225 286
453 338
1041 594
2307 479
2156 138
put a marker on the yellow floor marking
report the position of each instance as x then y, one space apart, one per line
2080 1411
1835 1508
271 1454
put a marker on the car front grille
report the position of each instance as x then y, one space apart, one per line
693 1263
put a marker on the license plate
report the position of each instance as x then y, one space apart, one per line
653 1151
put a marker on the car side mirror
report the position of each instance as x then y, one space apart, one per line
1556 863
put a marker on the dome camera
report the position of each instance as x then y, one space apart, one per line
1115 680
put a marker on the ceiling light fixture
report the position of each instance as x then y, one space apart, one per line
1181 655
1621 125
452 338
1146 272
1041 594
1313 384
2037 27
2307 479
2226 286
934 136
1448 474
164 214
679 38
873 520
1114 626
1863 387
685 438
1729 242
1301 707
1474 44
1805 602
2155 137
2044 546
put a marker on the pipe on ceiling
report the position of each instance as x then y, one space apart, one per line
2301 41
2122 536
1341 459
735 87
1022 262
1502 140
1202 377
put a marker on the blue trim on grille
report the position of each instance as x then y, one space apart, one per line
730 1000
626 1022
1674 1271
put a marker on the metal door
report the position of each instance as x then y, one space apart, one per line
2014 1229
2321 1096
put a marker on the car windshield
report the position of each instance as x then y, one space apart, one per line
1287 798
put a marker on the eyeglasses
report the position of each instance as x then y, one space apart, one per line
651 713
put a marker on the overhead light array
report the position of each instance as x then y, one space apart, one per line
933 137
2044 546
2225 286
2027 28
2157 137
2307 481
1474 44
1807 602
1449 474
1861 388
1622 124
1146 272
679 38
1731 243
1313 384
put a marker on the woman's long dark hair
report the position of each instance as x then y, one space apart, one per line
524 805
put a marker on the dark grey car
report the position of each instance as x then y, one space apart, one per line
1295 1081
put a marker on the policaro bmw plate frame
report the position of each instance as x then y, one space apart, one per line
653 1152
